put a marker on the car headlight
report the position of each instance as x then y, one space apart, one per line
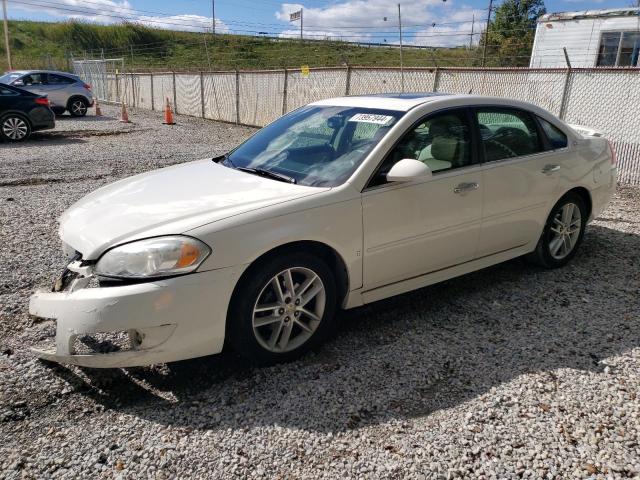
153 257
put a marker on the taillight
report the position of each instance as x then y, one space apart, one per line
87 86
614 160
42 101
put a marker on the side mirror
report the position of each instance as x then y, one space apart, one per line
407 170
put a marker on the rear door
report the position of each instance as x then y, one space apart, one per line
57 88
9 100
520 177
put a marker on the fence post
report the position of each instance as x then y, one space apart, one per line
152 100
565 88
237 97
117 88
133 90
202 93
284 92
436 80
347 88
175 97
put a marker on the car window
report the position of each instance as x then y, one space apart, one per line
557 139
31 79
6 92
315 145
507 133
59 79
441 141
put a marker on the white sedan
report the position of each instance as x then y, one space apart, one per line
340 203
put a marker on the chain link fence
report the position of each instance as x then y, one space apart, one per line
605 99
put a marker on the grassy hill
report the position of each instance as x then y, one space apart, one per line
52 45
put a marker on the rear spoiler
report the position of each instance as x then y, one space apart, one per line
587 131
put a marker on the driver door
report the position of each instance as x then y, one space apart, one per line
418 227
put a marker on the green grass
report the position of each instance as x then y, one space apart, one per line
52 45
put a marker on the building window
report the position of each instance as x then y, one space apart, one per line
619 49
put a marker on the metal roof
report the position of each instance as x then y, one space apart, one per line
602 13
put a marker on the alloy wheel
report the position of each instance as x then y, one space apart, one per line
78 108
289 309
15 128
565 231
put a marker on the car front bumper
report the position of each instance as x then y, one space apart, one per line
166 320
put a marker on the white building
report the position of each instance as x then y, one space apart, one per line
593 38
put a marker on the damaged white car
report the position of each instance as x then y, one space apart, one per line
340 203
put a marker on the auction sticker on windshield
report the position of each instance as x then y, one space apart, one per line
371 118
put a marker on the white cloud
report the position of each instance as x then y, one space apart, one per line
113 11
341 21
454 30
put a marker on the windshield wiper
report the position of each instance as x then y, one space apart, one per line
268 173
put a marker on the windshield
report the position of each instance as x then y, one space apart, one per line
7 78
315 145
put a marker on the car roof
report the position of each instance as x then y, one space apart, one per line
26 72
384 101
406 101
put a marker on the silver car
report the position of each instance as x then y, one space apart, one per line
64 90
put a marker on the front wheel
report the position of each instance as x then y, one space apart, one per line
14 128
562 233
282 308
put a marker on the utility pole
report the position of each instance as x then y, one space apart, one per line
473 23
401 60
213 16
486 34
6 33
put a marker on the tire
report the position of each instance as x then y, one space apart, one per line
14 128
556 249
286 328
77 106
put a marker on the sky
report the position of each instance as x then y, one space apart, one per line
425 22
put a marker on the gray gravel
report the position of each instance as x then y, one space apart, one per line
512 372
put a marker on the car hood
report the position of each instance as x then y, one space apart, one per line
171 200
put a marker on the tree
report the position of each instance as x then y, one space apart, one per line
512 30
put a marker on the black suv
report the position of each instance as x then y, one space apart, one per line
23 112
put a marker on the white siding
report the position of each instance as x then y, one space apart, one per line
581 37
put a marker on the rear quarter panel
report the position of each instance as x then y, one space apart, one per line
589 165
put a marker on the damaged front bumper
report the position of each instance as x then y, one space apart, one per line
160 321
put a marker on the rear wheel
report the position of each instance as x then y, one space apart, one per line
282 308
562 233
78 107
14 128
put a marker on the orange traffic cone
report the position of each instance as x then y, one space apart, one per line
168 114
98 110
124 116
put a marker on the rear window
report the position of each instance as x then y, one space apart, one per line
59 79
557 139
10 77
5 92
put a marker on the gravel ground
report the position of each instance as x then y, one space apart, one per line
512 372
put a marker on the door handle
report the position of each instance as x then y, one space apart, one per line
465 187
548 169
